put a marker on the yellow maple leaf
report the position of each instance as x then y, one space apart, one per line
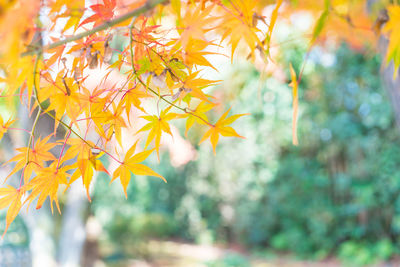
117 122
38 154
194 86
192 25
86 162
200 117
157 125
237 23
195 53
294 85
222 128
131 164
63 96
132 97
392 27
11 197
46 184
4 126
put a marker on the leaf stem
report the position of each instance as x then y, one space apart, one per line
63 147
32 133
69 127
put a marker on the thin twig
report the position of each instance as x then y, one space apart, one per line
32 133
131 40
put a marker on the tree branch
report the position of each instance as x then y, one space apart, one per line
150 4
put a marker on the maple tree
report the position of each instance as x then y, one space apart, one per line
45 64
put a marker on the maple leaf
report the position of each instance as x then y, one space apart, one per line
195 86
91 100
63 96
117 122
192 24
157 125
38 154
101 118
74 10
57 5
195 54
11 197
274 17
19 74
238 24
75 16
4 126
221 128
170 61
294 85
320 23
57 53
132 97
101 13
131 165
392 27
86 161
200 111
143 37
46 184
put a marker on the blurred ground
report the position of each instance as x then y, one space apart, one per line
174 253
179 254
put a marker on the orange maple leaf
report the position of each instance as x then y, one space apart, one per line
143 37
102 13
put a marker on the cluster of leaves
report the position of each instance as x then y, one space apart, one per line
47 65
48 69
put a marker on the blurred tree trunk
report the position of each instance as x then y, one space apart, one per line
392 86
42 223
72 235
39 223
387 70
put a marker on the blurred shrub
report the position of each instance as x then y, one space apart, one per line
362 253
339 189
336 192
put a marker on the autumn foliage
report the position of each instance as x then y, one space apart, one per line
45 63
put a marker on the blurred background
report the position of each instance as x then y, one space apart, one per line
331 201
